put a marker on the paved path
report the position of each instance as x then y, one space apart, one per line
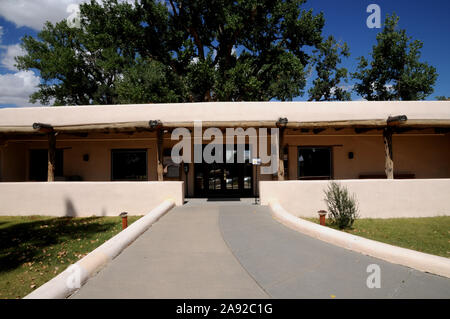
182 255
230 250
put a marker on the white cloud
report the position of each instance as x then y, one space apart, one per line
34 13
9 52
15 88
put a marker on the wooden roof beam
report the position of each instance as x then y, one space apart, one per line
395 120
43 128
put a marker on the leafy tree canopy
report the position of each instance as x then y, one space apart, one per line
177 51
326 86
394 72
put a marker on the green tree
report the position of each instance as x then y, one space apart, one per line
81 65
442 98
394 72
203 50
149 82
329 76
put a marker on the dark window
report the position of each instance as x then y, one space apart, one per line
314 163
129 165
39 164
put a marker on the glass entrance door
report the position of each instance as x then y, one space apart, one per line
225 179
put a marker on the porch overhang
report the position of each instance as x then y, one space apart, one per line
301 115
139 126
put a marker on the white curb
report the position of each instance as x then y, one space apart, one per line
397 255
63 285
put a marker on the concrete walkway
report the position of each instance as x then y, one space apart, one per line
237 250
182 255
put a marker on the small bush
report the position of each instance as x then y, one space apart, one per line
342 207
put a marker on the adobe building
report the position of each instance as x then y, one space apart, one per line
316 140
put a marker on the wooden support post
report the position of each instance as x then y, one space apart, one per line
388 154
159 151
51 156
281 154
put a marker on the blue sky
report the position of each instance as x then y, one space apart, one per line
428 21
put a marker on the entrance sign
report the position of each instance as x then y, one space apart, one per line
256 161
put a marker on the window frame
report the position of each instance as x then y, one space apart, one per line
329 148
129 150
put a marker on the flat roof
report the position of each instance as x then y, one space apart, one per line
357 113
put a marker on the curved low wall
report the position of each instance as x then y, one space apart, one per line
60 286
397 255
376 198
79 199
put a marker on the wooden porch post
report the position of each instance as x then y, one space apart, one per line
281 155
388 154
51 156
159 151
281 124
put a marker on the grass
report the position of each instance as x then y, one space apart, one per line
429 235
34 249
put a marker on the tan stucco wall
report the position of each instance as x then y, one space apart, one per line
86 198
14 162
376 198
98 168
422 153
426 156
98 147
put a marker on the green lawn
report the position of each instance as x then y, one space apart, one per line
429 235
34 249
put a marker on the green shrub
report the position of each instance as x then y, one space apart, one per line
342 207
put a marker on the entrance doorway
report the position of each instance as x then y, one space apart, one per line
225 179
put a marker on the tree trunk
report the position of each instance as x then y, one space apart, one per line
281 155
388 154
159 150
51 157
